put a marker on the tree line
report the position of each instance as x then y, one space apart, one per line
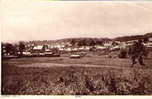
12 49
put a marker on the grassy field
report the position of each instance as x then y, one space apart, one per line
26 76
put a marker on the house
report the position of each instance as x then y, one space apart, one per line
26 53
149 43
68 49
150 39
99 47
107 45
40 48
4 51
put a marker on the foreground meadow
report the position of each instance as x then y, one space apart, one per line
99 76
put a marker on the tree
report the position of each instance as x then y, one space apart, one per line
81 42
92 43
9 48
99 42
145 40
73 42
45 47
21 48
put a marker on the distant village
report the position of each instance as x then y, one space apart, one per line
70 45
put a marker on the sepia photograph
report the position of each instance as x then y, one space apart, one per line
76 48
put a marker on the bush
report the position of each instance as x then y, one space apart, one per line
123 53
77 81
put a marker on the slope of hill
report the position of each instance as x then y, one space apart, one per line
133 37
69 40
87 39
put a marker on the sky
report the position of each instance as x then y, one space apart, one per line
45 20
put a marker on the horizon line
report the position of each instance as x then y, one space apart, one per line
13 41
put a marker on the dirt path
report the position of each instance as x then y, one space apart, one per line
46 65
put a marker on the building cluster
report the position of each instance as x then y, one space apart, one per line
59 48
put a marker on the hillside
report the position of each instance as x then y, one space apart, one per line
70 40
87 39
133 37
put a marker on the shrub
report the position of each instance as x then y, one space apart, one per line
123 53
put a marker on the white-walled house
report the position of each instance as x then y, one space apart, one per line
150 39
100 47
39 47
149 43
